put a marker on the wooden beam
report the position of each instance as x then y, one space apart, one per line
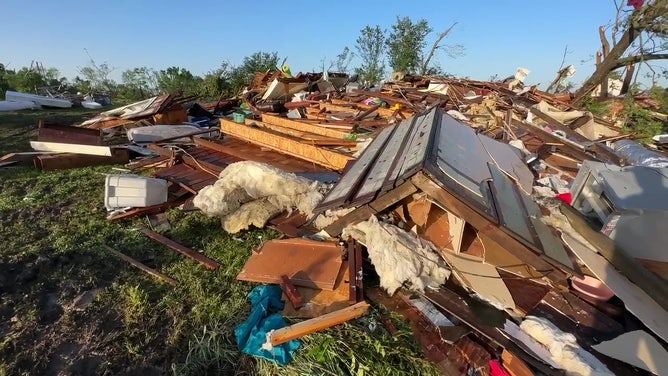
139 265
202 259
321 156
487 227
71 148
307 137
303 328
67 134
304 127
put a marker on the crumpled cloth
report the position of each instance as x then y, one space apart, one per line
252 333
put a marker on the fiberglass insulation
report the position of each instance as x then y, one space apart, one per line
399 256
564 348
250 193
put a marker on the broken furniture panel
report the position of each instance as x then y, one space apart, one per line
67 134
307 263
69 160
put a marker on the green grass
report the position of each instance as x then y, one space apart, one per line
52 227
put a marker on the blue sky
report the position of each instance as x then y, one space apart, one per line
499 36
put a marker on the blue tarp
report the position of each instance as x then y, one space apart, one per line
252 333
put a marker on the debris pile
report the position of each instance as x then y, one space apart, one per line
515 232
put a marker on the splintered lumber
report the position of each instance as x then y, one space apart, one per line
141 266
307 137
328 320
321 156
205 261
304 127
71 148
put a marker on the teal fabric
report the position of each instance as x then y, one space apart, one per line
252 333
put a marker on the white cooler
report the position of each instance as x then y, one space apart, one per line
123 191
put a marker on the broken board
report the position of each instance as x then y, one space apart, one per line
307 263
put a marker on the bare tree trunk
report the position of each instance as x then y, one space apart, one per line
628 78
603 69
432 51
639 20
605 50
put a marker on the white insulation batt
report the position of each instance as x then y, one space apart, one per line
399 256
564 348
250 193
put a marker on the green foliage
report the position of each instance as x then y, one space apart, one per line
243 74
175 79
97 77
660 94
641 122
370 47
138 83
359 347
596 107
405 44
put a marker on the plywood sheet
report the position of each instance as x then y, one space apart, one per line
480 277
308 263
638 349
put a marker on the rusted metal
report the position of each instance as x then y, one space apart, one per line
68 160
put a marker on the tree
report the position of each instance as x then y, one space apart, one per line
138 83
370 47
176 79
405 44
641 29
26 80
451 50
257 62
97 76
343 60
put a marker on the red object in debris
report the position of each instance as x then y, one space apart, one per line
495 368
565 197
636 4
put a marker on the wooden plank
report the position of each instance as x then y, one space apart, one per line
617 257
349 182
515 365
71 148
640 303
328 320
205 261
324 157
309 137
385 112
302 126
139 265
485 226
147 210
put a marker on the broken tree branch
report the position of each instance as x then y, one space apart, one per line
432 51
629 60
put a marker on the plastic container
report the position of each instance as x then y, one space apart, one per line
123 191
240 116
592 287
